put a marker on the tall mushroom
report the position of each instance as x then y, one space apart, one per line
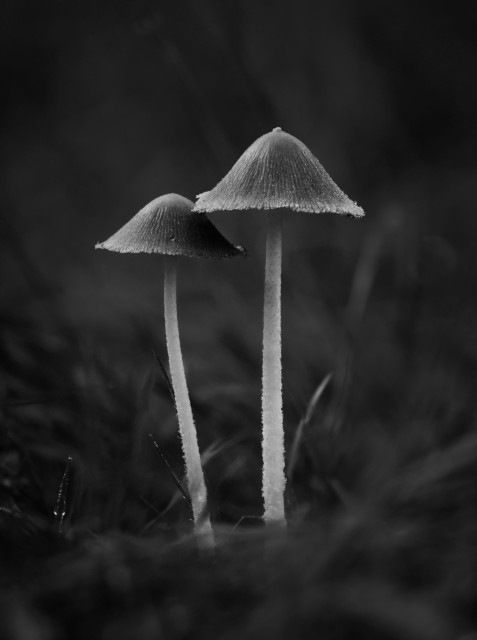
168 226
276 172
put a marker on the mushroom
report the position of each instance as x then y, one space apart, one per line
276 172
168 226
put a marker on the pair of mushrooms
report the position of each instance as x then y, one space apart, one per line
276 172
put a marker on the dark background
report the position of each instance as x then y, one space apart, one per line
105 106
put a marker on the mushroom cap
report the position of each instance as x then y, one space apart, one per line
278 172
167 225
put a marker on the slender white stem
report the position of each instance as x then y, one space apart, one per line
273 449
194 473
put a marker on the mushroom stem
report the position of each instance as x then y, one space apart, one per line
194 473
273 450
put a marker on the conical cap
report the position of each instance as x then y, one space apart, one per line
167 225
278 171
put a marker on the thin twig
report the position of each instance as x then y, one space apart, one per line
62 498
174 476
310 410
165 375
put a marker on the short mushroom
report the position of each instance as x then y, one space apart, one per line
276 172
168 226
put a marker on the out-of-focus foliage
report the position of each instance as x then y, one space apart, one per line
106 106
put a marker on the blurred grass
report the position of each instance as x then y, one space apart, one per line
382 536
